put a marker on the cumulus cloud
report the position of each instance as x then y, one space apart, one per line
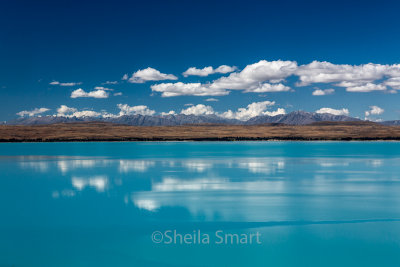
134 110
326 72
149 74
319 92
253 110
267 87
253 75
279 111
118 94
343 111
65 111
180 89
269 76
212 100
65 84
199 109
374 110
263 75
171 112
355 78
253 78
393 82
31 113
198 72
193 71
95 94
365 88
225 69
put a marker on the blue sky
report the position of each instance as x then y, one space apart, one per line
84 44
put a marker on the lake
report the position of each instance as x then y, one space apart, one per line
200 204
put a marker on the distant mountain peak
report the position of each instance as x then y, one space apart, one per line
299 117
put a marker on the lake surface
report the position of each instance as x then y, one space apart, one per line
120 204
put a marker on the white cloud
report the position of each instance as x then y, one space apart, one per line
180 89
365 88
356 78
149 74
374 110
199 109
125 77
134 110
103 88
171 112
393 82
326 72
253 110
279 111
212 100
95 94
267 87
68 112
198 72
252 75
31 113
265 76
251 79
86 113
110 82
349 84
65 84
208 70
225 69
63 109
320 92
343 111
118 94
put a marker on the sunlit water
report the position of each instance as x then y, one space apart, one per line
97 204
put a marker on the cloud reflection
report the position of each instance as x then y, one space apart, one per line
63 193
68 165
98 182
227 188
126 166
264 166
197 166
39 166
173 184
146 204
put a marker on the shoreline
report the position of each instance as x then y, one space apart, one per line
228 139
190 141
107 132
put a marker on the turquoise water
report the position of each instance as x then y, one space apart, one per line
98 204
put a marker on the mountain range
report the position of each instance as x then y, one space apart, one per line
293 118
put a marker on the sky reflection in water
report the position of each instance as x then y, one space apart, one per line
117 201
